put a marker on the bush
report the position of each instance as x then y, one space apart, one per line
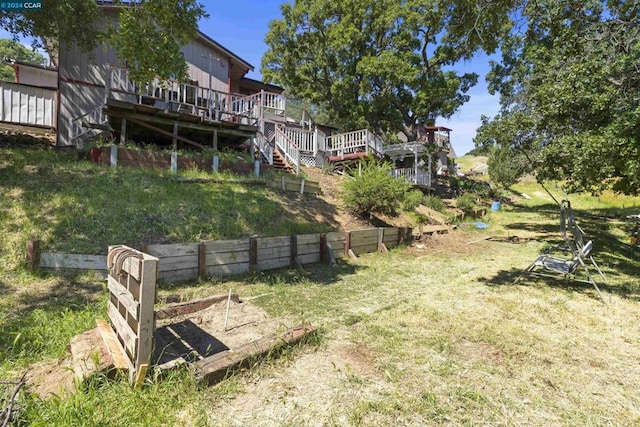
435 203
372 189
412 199
466 203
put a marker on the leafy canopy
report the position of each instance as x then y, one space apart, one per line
384 64
148 37
570 92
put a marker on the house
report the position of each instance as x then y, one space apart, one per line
219 106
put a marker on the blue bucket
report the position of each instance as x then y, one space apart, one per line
495 206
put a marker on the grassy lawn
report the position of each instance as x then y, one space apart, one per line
419 336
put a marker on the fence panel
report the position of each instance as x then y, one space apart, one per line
27 105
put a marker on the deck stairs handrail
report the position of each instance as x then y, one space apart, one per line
80 125
288 148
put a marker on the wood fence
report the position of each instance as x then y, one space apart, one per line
27 105
190 261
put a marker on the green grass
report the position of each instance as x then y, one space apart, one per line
431 336
78 207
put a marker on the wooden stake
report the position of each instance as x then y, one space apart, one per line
33 254
253 254
226 316
323 247
202 254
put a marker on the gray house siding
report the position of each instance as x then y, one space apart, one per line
197 56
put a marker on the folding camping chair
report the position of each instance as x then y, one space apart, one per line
550 266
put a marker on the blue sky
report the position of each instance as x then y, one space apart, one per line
241 25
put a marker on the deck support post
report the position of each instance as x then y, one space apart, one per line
216 159
123 131
113 156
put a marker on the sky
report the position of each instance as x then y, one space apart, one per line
241 26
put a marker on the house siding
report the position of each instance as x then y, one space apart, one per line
33 76
197 56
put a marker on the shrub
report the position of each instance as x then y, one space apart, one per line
412 199
466 203
372 189
434 202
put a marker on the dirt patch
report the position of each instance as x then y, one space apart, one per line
481 352
455 242
51 378
331 186
192 337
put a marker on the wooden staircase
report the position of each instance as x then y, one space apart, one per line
279 162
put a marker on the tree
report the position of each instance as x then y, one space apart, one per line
569 85
148 34
14 50
385 65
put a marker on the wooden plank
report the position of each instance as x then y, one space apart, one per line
131 265
202 259
253 254
146 321
360 240
125 298
364 234
178 262
433 214
293 251
308 248
119 357
174 250
363 249
273 242
335 236
323 247
304 239
217 258
215 368
272 264
73 261
309 258
122 328
270 253
226 246
227 269
178 275
182 309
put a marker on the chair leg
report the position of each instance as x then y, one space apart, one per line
592 280
528 270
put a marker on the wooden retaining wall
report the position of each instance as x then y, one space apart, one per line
190 261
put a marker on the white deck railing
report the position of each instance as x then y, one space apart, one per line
196 100
352 142
27 105
304 139
409 174
288 148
